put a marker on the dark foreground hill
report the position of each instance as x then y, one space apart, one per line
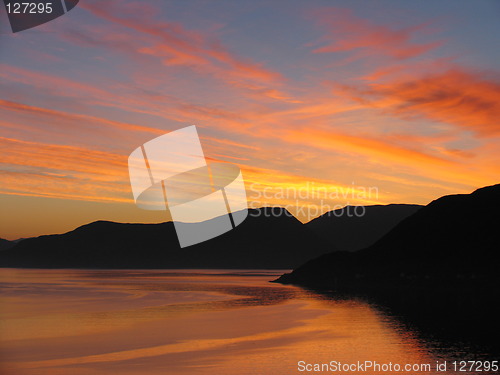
268 238
439 266
455 237
356 227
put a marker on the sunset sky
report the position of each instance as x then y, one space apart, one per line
403 96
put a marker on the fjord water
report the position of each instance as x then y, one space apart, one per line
193 322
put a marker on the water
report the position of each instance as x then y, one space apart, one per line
194 322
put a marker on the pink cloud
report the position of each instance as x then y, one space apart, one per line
176 45
346 32
457 97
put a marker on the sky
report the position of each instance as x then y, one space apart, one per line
320 103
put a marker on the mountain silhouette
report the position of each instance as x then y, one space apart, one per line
437 269
6 244
269 238
453 238
356 227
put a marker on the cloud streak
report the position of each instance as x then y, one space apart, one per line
348 33
177 46
455 97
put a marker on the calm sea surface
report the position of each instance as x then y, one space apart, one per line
195 322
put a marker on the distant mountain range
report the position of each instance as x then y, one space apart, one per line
452 239
262 240
269 238
356 227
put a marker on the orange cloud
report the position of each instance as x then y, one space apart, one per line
364 145
159 105
65 159
70 172
176 45
394 156
348 33
82 119
41 169
455 97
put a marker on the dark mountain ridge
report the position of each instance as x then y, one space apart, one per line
438 269
268 238
6 244
356 227
452 238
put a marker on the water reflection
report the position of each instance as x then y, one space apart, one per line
193 321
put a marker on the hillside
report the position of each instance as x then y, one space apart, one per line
453 238
356 227
437 269
6 244
266 239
